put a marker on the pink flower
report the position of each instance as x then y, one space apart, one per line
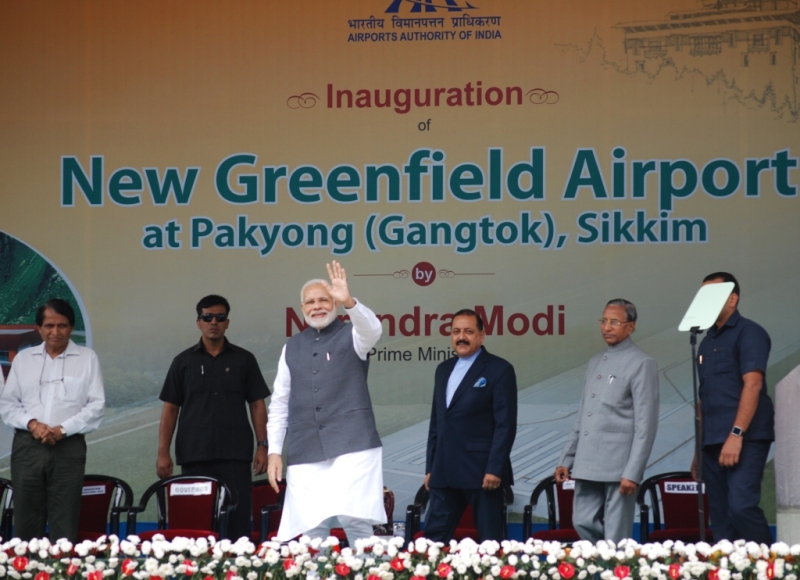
42 576
443 570
397 564
288 564
674 571
622 572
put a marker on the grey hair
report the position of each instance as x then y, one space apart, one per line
630 309
312 282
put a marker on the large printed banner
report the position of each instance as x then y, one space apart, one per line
531 160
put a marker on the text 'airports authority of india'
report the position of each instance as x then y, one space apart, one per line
423 29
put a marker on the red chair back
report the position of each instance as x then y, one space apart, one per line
562 494
466 527
100 494
188 506
565 493
679 503
96 500
191 505
669 500
387 529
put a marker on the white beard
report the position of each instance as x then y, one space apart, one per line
320 323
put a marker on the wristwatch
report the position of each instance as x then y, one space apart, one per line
737 431
264 444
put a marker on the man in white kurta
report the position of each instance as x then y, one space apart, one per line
321 409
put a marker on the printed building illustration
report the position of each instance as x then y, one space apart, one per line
13 338
753 44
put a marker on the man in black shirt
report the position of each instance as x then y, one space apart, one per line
210 386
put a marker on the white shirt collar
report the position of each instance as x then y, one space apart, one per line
71 350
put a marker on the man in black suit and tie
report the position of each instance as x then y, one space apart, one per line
473 425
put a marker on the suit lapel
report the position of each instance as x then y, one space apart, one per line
440 392
473 374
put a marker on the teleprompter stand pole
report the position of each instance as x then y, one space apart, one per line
698 435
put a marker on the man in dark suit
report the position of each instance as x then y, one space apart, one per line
473 425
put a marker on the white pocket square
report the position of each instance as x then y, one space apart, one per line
481 382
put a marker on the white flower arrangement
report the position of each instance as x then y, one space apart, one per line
114 558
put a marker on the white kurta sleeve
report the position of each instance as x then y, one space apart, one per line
367 329
279 406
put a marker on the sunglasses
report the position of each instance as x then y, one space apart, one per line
208 317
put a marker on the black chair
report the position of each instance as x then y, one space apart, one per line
466 527
676 519
103 499
6 509
190 506
559 499
267 509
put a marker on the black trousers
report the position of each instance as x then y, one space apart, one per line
447 505
48 482
734 493
238 475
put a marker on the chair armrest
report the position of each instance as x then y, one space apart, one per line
413 517
266 512
132 514
644 523
5 523
546 486
114 518
527 522
505 521
222 522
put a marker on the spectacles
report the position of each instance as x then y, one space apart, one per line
613 322
208 317
54 381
